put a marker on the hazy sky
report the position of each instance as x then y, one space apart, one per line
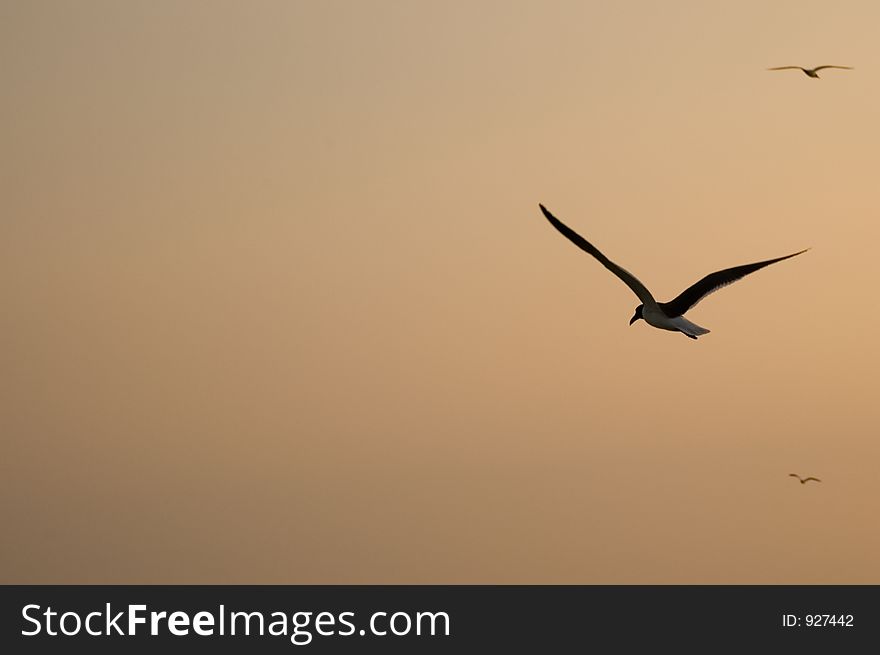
280 306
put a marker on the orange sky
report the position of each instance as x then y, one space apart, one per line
280 306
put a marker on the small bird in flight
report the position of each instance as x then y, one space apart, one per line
803 480
809 72
665 315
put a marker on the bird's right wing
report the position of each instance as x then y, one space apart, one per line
818 68
808 479
714 281
782 68
629 279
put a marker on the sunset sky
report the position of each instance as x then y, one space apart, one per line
280 305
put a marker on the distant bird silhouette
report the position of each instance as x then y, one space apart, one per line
802 480
665 315
809 72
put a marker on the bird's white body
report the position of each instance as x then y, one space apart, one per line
655 316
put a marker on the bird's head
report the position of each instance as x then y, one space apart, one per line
637 315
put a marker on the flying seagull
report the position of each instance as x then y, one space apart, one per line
803 480
809 72
665 315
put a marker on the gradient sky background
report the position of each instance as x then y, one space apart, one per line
280 306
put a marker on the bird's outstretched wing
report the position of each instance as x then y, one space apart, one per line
629 279
808 479
818 68
782 68
794 475
712 282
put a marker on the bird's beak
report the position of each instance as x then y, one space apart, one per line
633 319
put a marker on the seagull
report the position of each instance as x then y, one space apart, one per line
665 315
803 480
809 72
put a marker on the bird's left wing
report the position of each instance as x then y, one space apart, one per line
714 281
808 479
782 68
631 280
818 68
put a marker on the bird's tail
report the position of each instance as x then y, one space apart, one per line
690 329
